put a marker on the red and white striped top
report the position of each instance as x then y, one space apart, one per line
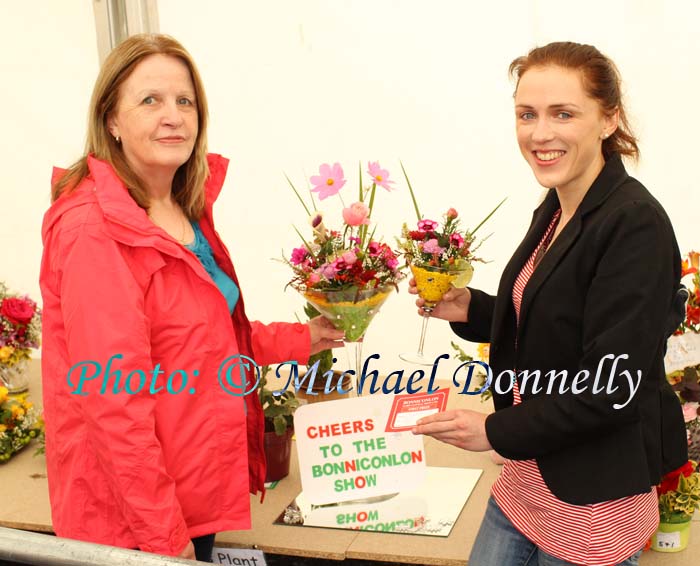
599 534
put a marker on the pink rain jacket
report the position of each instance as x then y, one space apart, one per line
154 468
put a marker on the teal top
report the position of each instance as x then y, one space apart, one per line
201 248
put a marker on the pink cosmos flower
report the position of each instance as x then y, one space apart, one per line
456 240
298 255
356 214
432 247
328 181
379 176
427 225
349 257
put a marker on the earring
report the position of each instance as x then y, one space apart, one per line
604 136
117 139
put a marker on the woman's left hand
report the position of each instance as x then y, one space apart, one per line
324 335
460 427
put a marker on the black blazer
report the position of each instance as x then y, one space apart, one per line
605 286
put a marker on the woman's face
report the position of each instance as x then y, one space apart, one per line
156 117
560 128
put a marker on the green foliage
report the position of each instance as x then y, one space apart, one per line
325 356
278 410
684 501
462 356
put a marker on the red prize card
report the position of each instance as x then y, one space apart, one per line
408 409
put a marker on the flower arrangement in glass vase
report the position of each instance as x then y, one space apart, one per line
683 356
346 274
440 256
20 332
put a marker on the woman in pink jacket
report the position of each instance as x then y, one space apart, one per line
150 440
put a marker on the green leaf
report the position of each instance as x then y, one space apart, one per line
298 195
410 188
489 216
280 424
308 246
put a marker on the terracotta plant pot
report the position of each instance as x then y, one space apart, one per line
278 452
672 536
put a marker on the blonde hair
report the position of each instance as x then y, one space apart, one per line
601 79
188 183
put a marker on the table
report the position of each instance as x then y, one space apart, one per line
24 504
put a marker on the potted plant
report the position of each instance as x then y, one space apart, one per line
679 498
279 428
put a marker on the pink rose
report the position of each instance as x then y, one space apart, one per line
349 257
356 214
17 311
313 278
452 214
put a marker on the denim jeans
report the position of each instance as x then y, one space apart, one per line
499 543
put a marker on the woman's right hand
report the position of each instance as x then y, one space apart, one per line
187 552
453 307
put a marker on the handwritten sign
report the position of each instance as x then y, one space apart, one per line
668 540
345 453
238 556
682 351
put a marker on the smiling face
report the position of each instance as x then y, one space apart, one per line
560 128
156 116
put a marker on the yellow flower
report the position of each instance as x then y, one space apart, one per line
17 411
482 350
3 428
5 353
3 394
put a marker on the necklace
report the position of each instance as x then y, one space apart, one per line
184 230
183 222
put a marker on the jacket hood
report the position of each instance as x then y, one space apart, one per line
104 187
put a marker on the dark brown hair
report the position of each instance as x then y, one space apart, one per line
188 184
601 80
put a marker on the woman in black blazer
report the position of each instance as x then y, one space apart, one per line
585 300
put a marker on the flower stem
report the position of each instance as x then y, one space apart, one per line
298 195
410 188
